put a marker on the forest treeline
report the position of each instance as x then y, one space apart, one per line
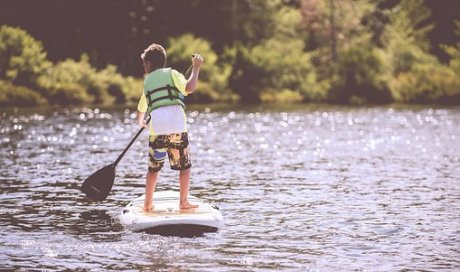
256 51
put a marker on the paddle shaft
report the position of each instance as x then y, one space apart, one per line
129 145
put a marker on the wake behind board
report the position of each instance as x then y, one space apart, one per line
168 219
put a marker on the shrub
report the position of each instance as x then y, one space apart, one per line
280 96
416 75
419 77
108 86
22 58
68 82
213 80
77 82
427 83
11 95
112 87
132 88
360 76
23 63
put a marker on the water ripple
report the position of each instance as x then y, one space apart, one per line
313 188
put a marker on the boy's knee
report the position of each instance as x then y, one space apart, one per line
155 169
155 166
181 167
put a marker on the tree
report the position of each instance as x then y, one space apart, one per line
22 58
340 41
333 24
416 75
454 51
277 64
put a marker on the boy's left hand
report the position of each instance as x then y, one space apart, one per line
197 60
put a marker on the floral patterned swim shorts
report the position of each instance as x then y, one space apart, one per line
175 146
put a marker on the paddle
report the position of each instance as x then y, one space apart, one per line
98 185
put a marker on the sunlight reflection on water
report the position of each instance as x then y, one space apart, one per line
310 188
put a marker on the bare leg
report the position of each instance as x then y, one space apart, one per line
184 182
149 189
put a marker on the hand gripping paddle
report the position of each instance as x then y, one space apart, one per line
98 185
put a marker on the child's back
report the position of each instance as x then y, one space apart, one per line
163 100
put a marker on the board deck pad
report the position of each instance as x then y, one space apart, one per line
168 219
168 206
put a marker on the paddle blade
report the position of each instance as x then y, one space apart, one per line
98 185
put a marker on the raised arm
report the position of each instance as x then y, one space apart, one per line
192 81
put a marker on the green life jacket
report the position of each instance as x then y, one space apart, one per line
160 91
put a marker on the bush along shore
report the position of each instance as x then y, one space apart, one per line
28 78
367 60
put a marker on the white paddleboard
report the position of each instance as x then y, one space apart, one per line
166 217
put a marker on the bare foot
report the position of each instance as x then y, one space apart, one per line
187 205
148 208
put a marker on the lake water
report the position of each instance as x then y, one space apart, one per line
311 188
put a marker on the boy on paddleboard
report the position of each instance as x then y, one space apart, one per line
163 100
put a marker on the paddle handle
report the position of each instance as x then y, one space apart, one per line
130 144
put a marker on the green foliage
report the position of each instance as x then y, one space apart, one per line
109 82
345 61
332 25
11 95
360 75
408 19
67 82
213 78
416 76
284 96
132 88
22 58
246 79
267 51
454 51
278 63
77 82
252 21
25 68
427 83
